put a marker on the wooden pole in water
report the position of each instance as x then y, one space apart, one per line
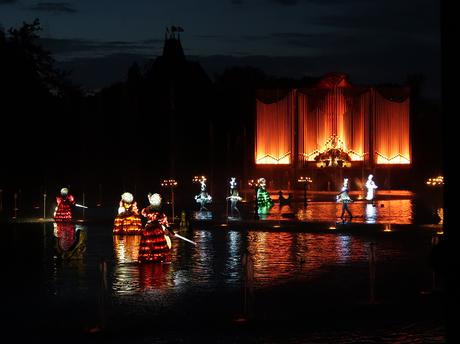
372 272
248 286
103 271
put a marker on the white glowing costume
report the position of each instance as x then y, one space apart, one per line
371 186
203 198
234 197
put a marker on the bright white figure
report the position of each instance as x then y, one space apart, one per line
234 197
203 198
371 186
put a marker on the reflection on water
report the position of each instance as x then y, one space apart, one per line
398 211
318 269
126 248
277 256
371 213
70 240
282 256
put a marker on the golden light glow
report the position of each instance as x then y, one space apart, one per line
169 182
274 131
439 180
391 139
397 159
387 228
325 114
304 180
199 179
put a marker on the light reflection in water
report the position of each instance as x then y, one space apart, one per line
398 211
216 261
283 255
371 213
130 276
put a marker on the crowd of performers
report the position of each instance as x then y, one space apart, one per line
156 234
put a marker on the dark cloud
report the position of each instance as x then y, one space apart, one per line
367 68
94 73
286 2
54 7
7 1
237 2
388 16
71 48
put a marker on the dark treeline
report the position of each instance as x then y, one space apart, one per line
167 119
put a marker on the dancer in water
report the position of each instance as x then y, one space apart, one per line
65 206
155 242
345 199
128 220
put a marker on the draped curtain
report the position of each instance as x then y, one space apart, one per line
324 113
274 130
355 122
391 137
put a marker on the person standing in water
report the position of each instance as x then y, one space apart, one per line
345 199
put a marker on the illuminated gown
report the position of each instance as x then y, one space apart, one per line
64 209
129 221
154 245
264 201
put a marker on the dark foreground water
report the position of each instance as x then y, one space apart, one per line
316 285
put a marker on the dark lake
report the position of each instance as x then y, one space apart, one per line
371 281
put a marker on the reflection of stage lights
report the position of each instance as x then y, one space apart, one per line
276 226
387 228
223 225
440 232
332 227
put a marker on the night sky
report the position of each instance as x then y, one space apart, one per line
372 41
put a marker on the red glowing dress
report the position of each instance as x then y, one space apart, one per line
155 245
64 209
128 221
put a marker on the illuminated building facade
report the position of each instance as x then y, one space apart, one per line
333 124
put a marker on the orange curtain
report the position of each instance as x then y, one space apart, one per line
391 137
274 131
325 113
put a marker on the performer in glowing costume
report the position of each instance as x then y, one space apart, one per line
203 198
155 242
264 201
345 199
371 186
64 209
234 198
128 220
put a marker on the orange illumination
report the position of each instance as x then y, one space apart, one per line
274 131
392 141
330 113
